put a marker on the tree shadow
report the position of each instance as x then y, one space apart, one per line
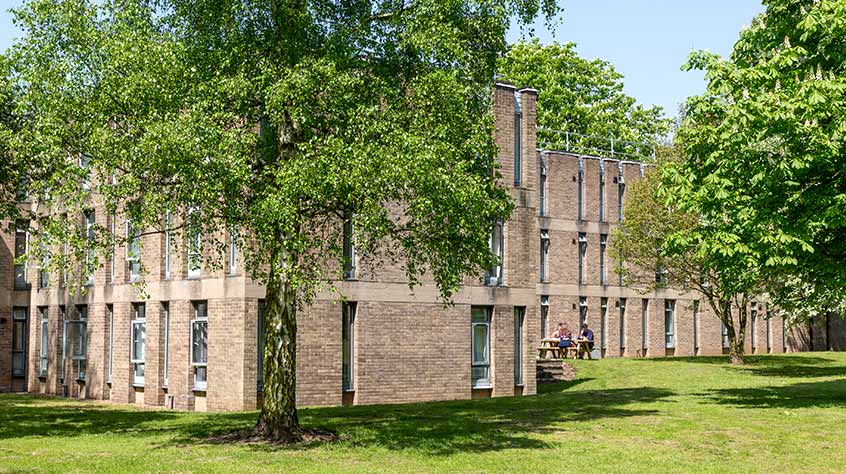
437 428
771 365
831 393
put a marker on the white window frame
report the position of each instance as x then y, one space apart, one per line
133 252
603 322
621 190
724 335
349 252
623 303
696 325
644 322
583 310
544 251
201 318
544 314
167 244
496 242
195 243
78 360
603 248
670 324
348 316
19 339
543 185
753 320
113 263
233 251
166 311
518 139
21 280
483 382
582 256
138 323
44 342
519 322
111 314
601 190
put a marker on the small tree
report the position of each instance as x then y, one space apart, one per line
661 244
283 119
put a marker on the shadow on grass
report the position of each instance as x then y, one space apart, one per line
439 428
772 365
831 393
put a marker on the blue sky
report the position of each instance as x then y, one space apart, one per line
646 40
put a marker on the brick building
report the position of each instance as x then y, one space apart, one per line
192 342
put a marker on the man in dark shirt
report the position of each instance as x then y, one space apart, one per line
586 334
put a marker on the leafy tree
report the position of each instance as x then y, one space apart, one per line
581 96
283 119
665 244
767 143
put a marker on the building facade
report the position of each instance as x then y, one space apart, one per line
190 341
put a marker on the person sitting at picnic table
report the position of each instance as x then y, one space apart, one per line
564 337
587 336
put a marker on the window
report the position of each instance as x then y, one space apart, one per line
601 190
544 256
260 348
138 339
167 244
580 198
110 315
349 247
21 248
621 190
195 242
133 251
542 185
44 350
233 251
753 326
582 311
582 255
200 344
603 247
166 311
62 335
518 139
643 320
44 273
348 346
112 263
622 323
519 317
89 255
494 276
696 324
725 334
85 164
769 326
544 315
19 342
670 323
480 371
76 341
603 315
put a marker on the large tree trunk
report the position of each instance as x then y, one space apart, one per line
278 420
735 337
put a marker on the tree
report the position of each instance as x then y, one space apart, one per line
767 147
282 119
581 96
663 244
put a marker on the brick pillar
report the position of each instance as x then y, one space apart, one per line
97 370
655 341
684 328
228 356
250 355
502 351
122 370
530 342
54 364
180 375
154 355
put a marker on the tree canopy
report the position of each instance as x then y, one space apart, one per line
281 119
581 96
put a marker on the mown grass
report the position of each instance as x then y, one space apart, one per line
784 413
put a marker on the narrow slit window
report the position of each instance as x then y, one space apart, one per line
200 344
519 317
480 371
138 341
670 324
544 255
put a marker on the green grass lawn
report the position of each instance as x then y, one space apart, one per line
779 414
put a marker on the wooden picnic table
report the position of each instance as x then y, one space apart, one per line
549 345
582 345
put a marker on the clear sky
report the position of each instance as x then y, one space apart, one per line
646 40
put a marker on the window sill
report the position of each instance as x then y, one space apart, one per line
137 385
200 390
42 377
482 387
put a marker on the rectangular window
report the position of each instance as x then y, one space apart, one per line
518 139
110 315
233 251
544 315
85 164
349 247
166 311
603 322
582 256
138 341
494 276
601 190
583 307
348 346
542 185
112 263
769 326
621 190
21 249
725 334
167 244
133 251
644 313
519 317
260 348
580 198
622 323
19 341
89 252
603 247
544 256
200 344
480 371
44 349
44 272
62 337
753 323
76 341
696 324
195 242
670 323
